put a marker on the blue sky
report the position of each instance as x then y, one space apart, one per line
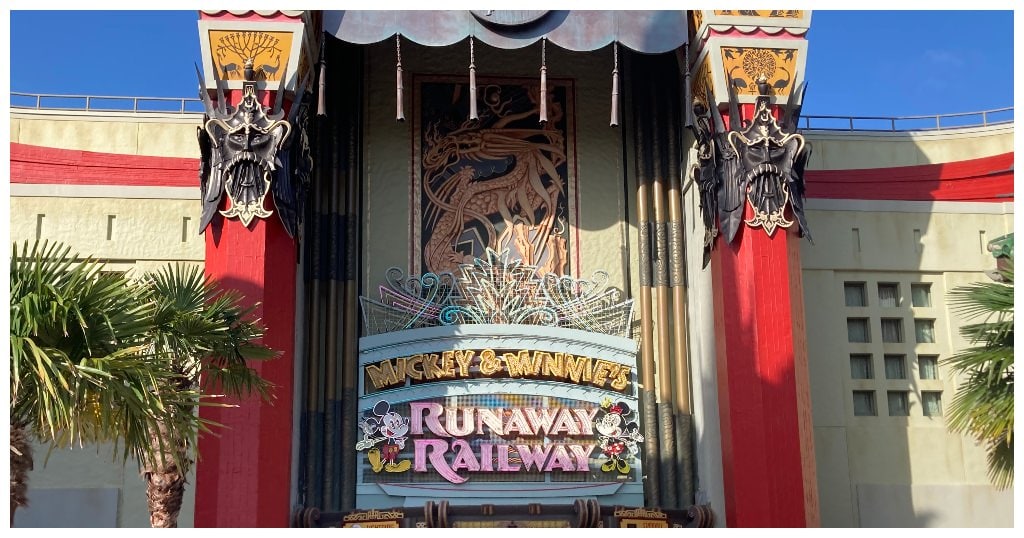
878 63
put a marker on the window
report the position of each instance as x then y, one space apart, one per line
888 294
860 367
924 331
892 330
899 403
932 403
855 295
864 403
928 366
857 330
895 367
921 294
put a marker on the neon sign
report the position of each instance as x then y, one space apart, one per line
448 439
470 364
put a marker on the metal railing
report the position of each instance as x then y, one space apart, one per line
105 103
180 105
935 122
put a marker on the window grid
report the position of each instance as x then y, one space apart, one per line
921 295
864 403
888 294
860 366
895 367
931 402
892 330
928 366
857 330
855 294
899 403
924 331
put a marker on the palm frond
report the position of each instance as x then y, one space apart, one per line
983 405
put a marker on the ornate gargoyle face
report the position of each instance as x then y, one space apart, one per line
245 146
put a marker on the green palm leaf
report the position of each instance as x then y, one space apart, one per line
983 404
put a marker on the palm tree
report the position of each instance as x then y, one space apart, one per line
78 370
983 405
208 336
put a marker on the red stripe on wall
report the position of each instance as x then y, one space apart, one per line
987 179
39 164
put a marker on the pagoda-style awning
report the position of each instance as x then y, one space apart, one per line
643 31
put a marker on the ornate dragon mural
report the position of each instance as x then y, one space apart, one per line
500 182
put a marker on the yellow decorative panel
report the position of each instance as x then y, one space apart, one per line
702 84
773 13
744 65
269 52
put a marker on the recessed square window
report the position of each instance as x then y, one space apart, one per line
860 367
924 331
921 295
855 295
899 403
892 330
928 366
931 401
895 367
857 330
864 403
888 294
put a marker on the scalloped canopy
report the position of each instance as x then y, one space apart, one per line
649 32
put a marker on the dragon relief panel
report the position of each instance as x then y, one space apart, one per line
500 182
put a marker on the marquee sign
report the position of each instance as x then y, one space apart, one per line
491 385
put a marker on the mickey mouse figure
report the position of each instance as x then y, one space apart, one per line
619 438
393 429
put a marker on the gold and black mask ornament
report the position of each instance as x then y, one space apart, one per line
760 165
245 152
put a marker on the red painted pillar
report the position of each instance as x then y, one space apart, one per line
243 476
768 463
764 393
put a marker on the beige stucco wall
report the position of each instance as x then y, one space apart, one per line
839 150
884 470
153 134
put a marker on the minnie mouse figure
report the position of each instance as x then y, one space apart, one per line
619 438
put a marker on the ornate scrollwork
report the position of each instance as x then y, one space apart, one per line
495 289
761 165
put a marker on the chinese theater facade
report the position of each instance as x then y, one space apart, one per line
473 237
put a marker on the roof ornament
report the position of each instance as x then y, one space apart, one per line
399 100
614 122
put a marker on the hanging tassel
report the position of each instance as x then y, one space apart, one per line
399 101
615 87
472 82
543 81
321 101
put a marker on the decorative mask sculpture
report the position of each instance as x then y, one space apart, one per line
761 165
245 152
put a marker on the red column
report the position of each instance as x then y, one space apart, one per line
764 393
243 477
